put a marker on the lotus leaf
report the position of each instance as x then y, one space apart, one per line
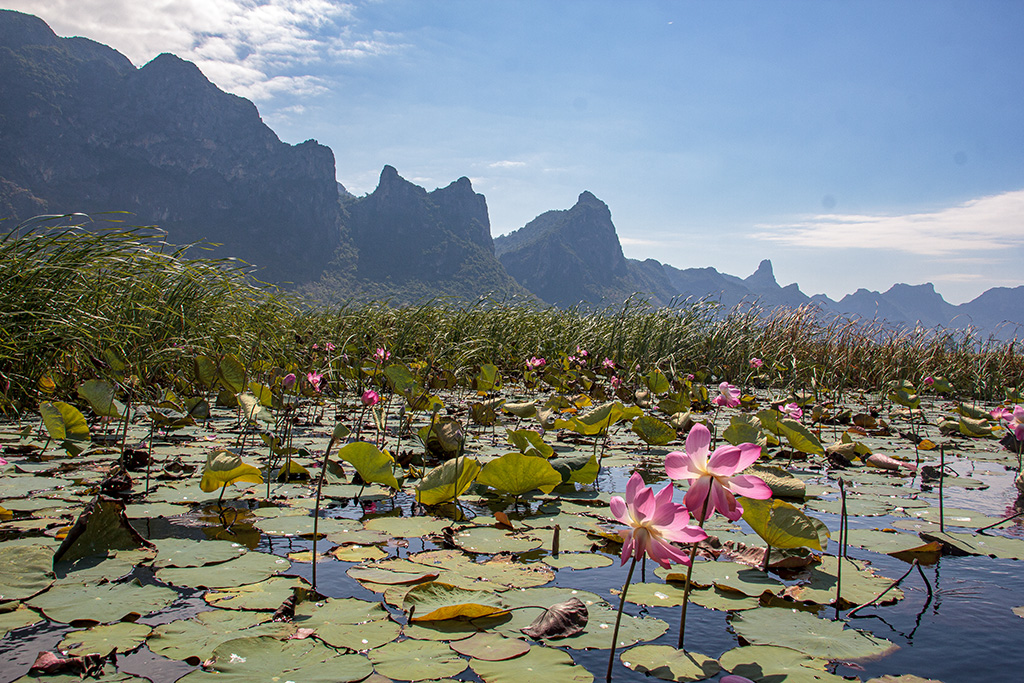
264 595
578 561
522 410
799 437
782 483
859 584
248 568
100 395
579 468
263 658
491 647
104 603
447 482
18 617
64 423
231 374
407 527
24 571
435 601
529 442
780 524
653 431
195 639
669 664
516 474
102 526
373 465
123 636
540 663
416 660
767 663
490 540
223 468
807 633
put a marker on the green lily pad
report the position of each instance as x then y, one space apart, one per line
491 647
195 639
578 561
407 527
669 664
859 584
185 552
264 595
19 617
104 603
224 468
374 466
248 568
769 663
516 474
264 658
24 571
435 601
539 664
490 540
416 660
302 525
807 633
123 636
358 637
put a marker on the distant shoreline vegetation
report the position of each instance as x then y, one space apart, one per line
74 300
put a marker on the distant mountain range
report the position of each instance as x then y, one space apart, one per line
83 130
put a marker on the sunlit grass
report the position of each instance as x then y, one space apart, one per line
70 297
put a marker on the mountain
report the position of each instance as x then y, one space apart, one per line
83 130
573 256
412 244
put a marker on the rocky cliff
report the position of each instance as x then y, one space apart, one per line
83 130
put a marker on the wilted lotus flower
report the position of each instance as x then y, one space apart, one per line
756 362
792 410
289 381
728 396
370 398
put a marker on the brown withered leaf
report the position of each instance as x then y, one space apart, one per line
561 620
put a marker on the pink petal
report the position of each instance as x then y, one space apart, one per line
749 486
696 495
618 507
728 460
681 466
724 502
627 547
665 553
635 483
684 533
698 441
644 505
664 508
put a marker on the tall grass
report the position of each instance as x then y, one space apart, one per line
69 297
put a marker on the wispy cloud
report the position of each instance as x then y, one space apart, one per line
987 223
254 49
636 242
507 164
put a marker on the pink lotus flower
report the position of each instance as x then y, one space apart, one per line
380 355
314 378
289 381
329 346
608 364
690 377
728 396
616 383
1017 423
316 347
370 398
756 362
536 363
792 410
929 381
1001 413
654 521
714 479
582 352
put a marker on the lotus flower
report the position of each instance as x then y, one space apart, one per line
370 398
289 381
616 383
756 362
314 378
536 363
1017 423
654 522
929 381
380 355
792 410
714 479
728 396
329 346
608 364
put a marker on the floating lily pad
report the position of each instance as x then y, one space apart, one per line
769 663
434 601
123 636
578 561
264 595
416 660
185 552
18 617
859 583
807 633
407 527
24 571
669 664
491 647
104 603
358 553
539 664
302 525
490 540
195 639
358 637
264 658
248 568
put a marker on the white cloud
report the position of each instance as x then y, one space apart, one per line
989 223
633 241
507 164
249 47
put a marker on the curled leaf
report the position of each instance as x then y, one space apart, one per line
561 620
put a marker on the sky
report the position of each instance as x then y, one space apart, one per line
855 144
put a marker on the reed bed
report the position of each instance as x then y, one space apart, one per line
76 301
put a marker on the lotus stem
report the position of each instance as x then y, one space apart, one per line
689 573
618 619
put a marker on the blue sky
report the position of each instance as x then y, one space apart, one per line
855 144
